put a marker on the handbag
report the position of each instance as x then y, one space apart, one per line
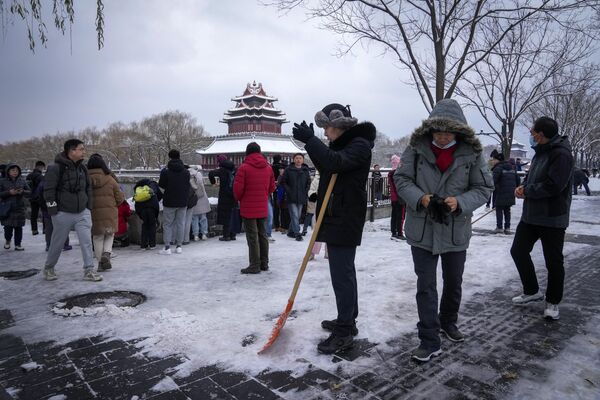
5 209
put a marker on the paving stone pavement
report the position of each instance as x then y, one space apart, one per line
504 343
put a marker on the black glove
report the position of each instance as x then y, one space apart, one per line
312 197
438 211
303 132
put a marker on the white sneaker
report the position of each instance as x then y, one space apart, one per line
270 239
196 238
527 298
551 311
165 252
49 274
203 237
178 250
90 275
7 244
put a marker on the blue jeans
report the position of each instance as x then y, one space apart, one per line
269 226
294 209
199 224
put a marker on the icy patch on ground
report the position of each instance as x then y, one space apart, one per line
108 310
31 366
166 385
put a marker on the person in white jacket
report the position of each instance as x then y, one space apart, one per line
195 217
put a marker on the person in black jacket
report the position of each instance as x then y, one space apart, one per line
175 182
580 178
506 181
349 156
226 203
33 179
546 191
296 181
13 189
148 212
277 165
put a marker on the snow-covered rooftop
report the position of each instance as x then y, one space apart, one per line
268 144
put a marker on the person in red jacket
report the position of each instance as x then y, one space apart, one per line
122 235
253 183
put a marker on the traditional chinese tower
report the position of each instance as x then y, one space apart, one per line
254 118
254 113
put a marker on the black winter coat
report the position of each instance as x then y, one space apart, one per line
153 203
16 217
33 180
67 186
350 157
226 200
296 182
548 185
506 181
175 182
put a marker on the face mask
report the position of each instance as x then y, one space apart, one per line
532 141
452 143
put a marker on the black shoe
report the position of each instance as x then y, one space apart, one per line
424 355
452 333
264 267
291 235
250 270
224 239
232 237
329 325
335 343
304 233
299 238
35 233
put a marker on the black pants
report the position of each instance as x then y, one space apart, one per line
276 211
503 213
8 234
585 186
552 240
148 216
35 212
453 265
397 219
343 279
258 244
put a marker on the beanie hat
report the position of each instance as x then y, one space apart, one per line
395 161
252 147
335 115
448 109
497 155
221 158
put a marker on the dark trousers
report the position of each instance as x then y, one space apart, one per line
453 265
258 244
18 231
343 279
503 212
397 219
284 218
552 240
35 212
276 211
585 186
307 222
148 239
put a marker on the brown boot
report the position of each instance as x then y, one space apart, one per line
104 263
251 270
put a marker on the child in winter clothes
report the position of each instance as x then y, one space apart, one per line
12 190
122 235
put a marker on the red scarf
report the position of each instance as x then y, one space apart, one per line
443 157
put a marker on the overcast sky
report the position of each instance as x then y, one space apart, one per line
192 56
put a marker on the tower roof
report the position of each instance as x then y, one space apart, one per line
254 105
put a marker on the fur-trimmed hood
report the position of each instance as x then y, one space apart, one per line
365 130
446 116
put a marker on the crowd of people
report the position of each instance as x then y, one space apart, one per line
435 186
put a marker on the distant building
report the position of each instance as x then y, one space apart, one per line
518 150
254 118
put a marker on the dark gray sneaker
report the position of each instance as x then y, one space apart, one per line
424 355
329 325
452 333
335 343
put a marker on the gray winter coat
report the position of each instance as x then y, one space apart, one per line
468 179
67 186
197 183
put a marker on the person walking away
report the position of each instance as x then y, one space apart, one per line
546 194
443 179
202 208
68 195
33 180
226 202
175 182
253 185
106 197
296 181
580 178
13 189
348 156
147 197
398 204
506 181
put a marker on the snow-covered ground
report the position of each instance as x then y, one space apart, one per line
198 304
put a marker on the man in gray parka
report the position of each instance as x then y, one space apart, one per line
443 179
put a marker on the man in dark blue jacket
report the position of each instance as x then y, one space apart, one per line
175 182
349 156
296 180
546 191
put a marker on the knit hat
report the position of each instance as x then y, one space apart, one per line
335 115
448 109
395 161
221 158
497 155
